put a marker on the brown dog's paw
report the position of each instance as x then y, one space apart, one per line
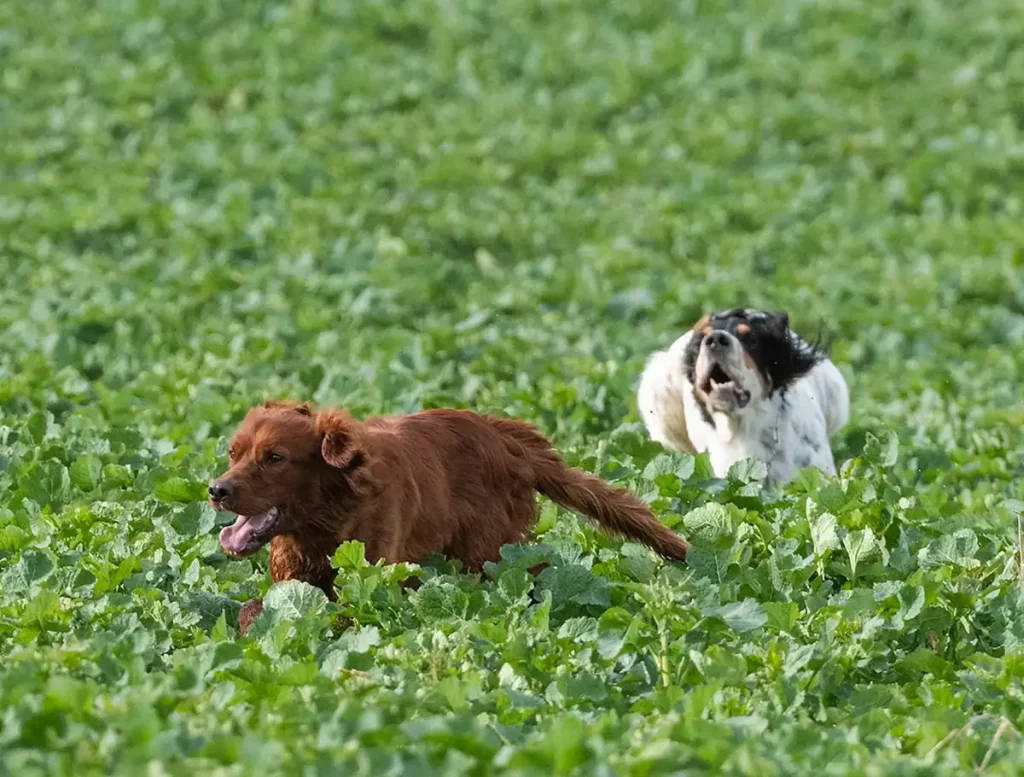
250 611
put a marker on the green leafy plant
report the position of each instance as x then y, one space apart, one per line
507 206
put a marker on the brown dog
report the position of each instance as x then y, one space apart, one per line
448 481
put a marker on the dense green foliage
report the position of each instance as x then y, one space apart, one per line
506 205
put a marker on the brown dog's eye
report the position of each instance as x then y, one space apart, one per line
272 458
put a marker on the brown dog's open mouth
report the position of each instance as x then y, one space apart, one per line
249 533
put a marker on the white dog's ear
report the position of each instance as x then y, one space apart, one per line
703 323
660 397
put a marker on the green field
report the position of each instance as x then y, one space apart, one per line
506 205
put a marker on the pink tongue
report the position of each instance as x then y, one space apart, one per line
236 537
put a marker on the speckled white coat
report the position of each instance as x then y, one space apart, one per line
788 431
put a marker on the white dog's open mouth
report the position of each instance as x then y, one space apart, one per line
722 388
716 378
249 533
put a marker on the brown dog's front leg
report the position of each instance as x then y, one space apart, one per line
294 559
250 611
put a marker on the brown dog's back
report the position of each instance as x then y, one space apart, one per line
470 494
487 470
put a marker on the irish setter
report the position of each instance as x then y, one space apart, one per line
448 481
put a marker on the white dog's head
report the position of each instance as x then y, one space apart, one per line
740 358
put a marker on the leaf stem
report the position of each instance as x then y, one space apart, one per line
663 658
1004 725
1020 554
954 733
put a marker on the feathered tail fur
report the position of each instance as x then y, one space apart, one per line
614 509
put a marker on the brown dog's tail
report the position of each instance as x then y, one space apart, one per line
615 509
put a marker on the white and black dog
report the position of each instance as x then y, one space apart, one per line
742 385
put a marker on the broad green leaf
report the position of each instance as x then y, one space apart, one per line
220 631
334 662
823 533
709 522
541 615
781 615
361 640
798 658
711 563
911 599
859 545
48 483
349 555
743 616
748 471
681 466
924 661
32 568
882 452
194 520
1009 612
856 603
441 600
180 490
86 471
574 584
886 589
952 550
579 630
292 600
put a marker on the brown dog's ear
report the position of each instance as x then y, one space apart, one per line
302 408
339 435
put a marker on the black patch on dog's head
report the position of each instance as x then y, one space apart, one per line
779 354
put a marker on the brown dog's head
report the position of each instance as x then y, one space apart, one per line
285 462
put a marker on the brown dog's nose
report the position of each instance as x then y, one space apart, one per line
221 490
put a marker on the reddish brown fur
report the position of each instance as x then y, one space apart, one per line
250 611
447 481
